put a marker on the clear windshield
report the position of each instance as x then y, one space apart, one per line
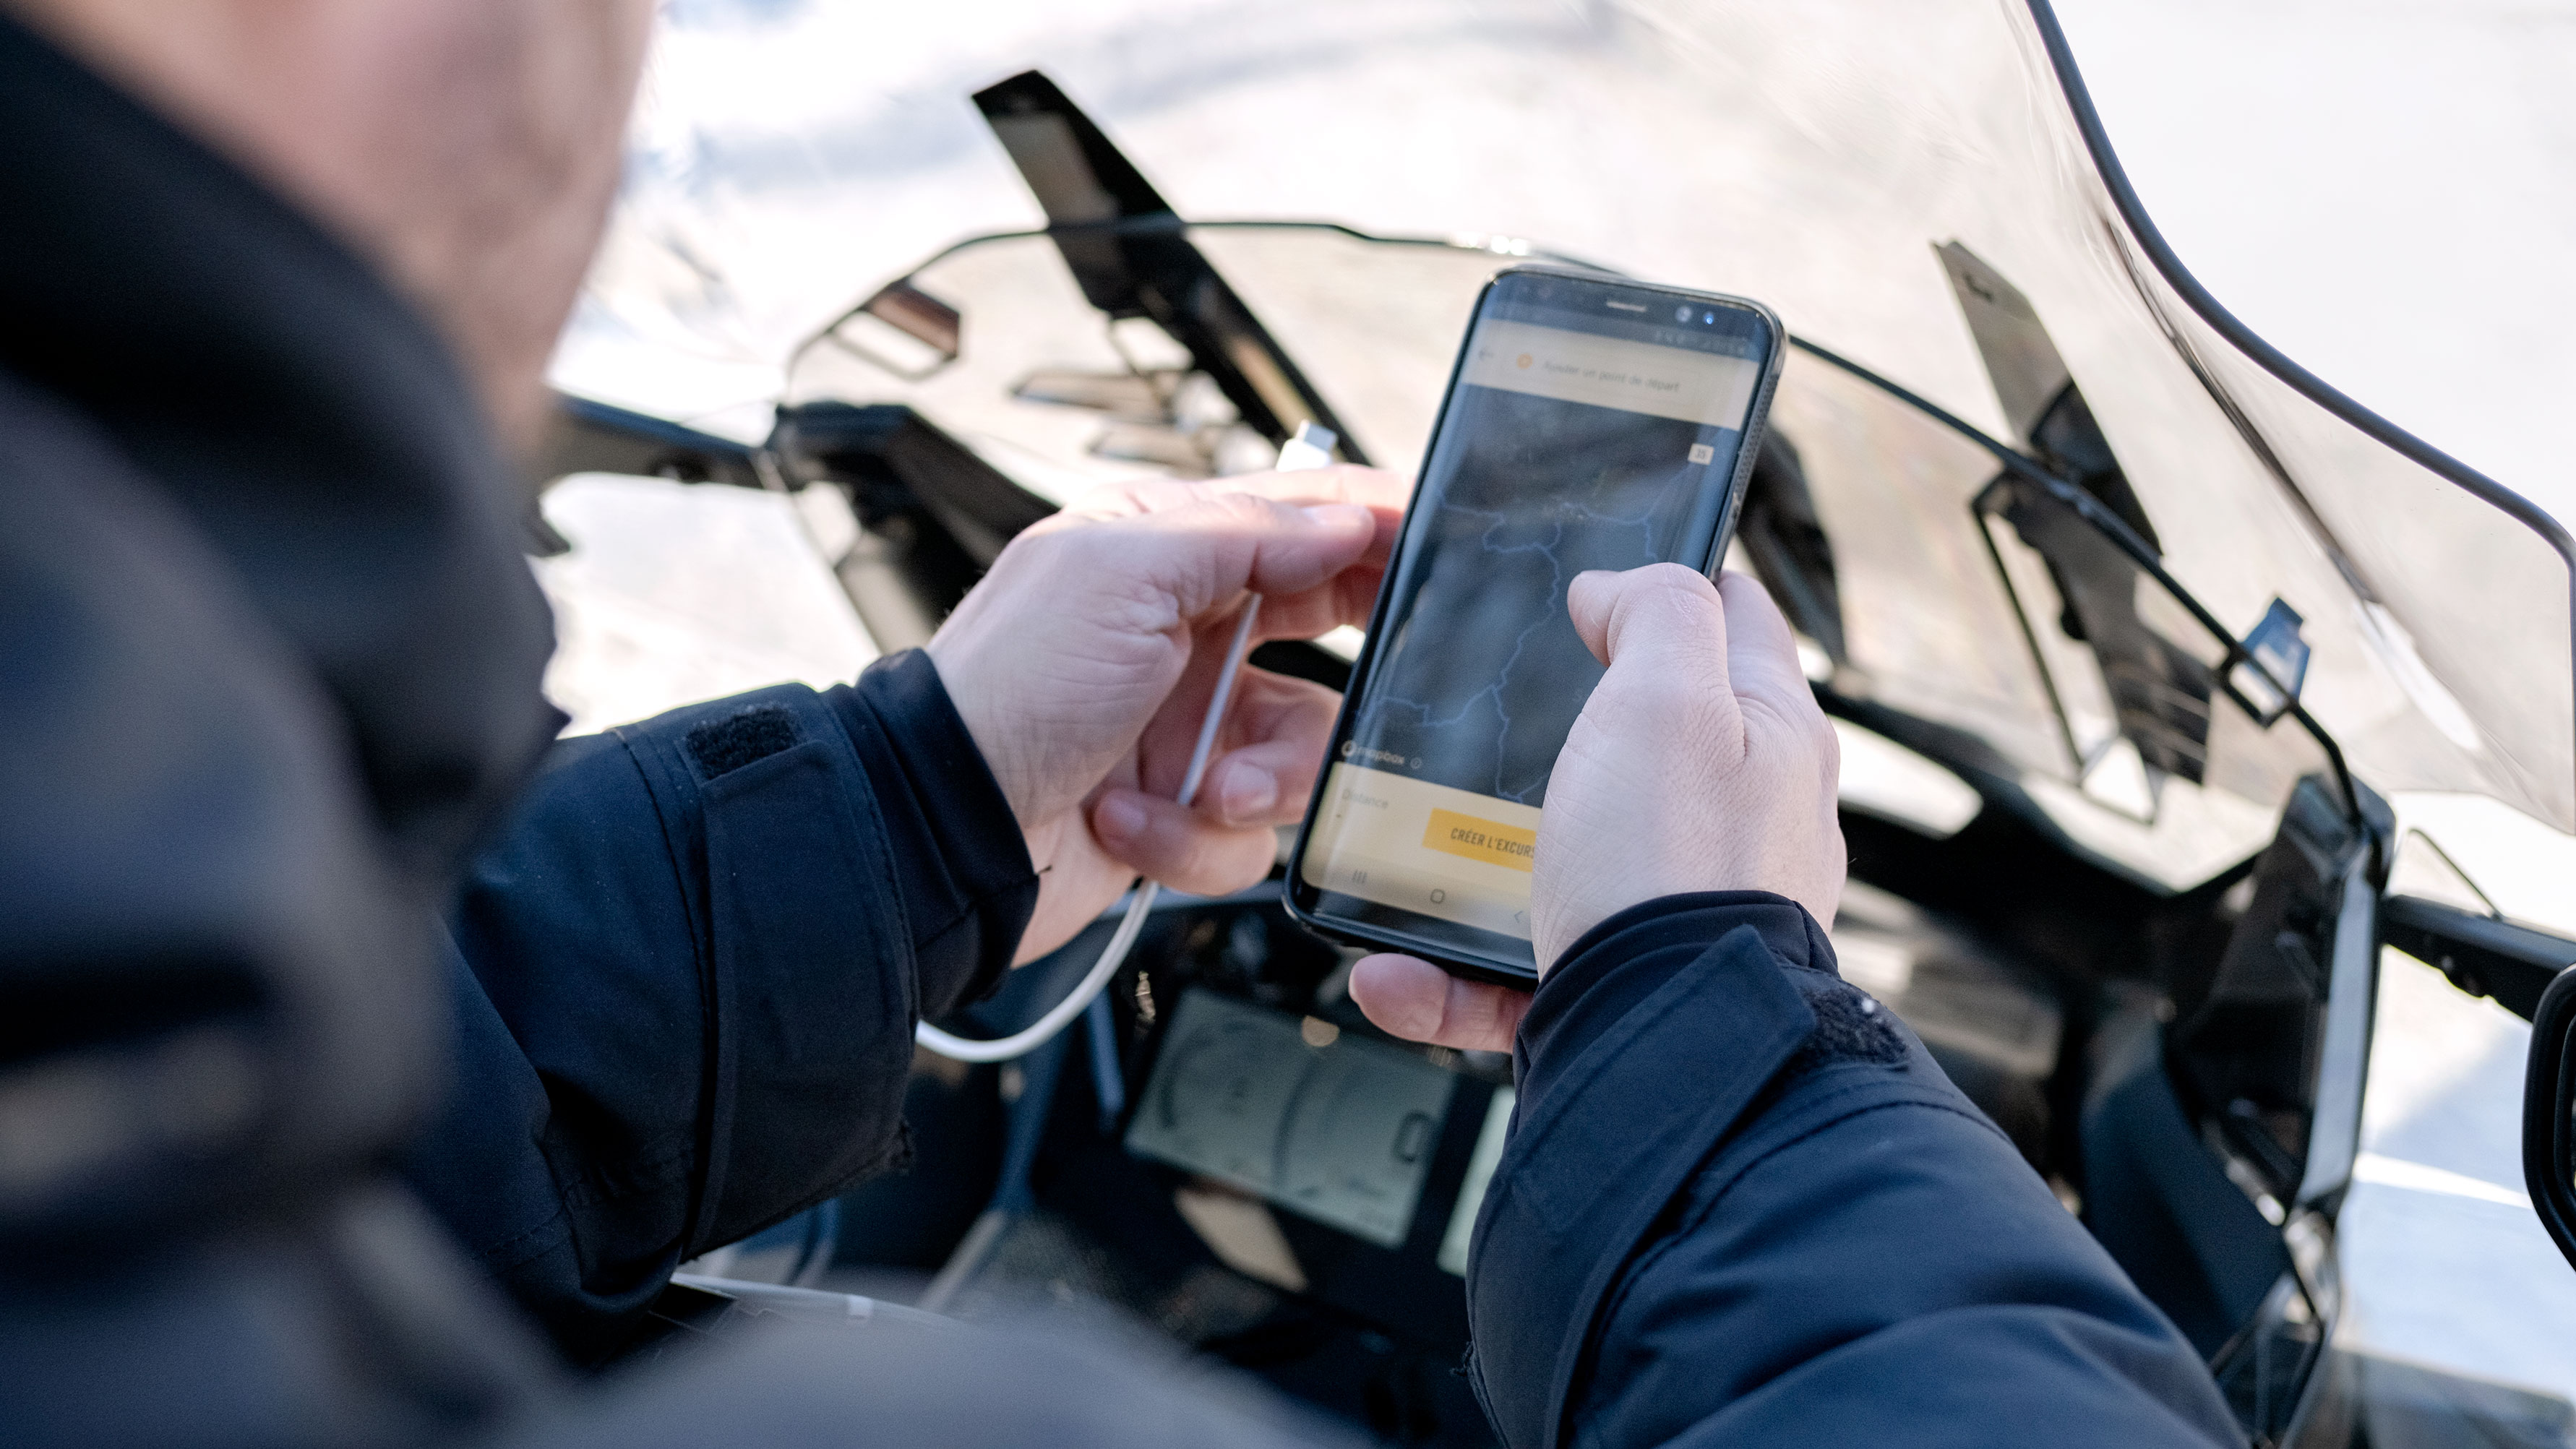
1904 183
1932 605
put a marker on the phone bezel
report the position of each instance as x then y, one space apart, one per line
1301 899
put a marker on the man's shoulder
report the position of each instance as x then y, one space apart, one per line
134 660
96 557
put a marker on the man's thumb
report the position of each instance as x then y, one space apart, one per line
1665 615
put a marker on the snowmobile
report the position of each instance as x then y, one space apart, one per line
2139 639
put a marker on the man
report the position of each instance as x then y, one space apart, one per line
291 908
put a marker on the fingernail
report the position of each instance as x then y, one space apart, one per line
1343 516
1122 816
1249 791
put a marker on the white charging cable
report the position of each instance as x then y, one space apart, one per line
1311 448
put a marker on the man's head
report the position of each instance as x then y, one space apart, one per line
469 148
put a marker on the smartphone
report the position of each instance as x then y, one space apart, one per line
1590 423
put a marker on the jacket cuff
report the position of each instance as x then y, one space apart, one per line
1613 966
1645 1046
960 860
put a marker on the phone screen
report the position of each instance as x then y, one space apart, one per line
1590 425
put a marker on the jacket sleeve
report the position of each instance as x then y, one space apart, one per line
688 975
1740 1204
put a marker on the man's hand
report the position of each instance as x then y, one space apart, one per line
1083 663
1701 763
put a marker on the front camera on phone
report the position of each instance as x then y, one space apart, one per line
1681 314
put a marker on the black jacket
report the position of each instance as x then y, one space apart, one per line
686 978
288 908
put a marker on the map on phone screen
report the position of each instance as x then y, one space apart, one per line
1573 441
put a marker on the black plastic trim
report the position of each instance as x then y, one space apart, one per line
587 435
2094 511
2482 955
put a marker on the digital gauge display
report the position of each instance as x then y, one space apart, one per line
1325 1124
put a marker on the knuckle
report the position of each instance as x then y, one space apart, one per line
1244 510
1304 706
1055 543
1827 744
1358 484
1218 863
1098 503
1033 545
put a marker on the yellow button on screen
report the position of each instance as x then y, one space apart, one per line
1465 835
